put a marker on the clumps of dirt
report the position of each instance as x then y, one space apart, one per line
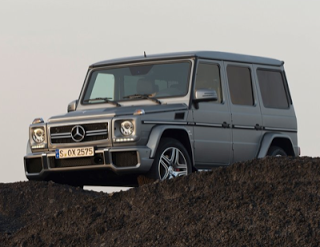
263 202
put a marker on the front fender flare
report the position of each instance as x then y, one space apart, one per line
156 135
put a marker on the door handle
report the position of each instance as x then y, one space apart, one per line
258 127
225 125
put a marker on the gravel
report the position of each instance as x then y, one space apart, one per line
262 202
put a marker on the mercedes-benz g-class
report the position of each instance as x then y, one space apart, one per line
163 116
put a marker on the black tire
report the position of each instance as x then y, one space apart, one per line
171 160
275 151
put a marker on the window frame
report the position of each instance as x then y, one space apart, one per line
284 84
119 82
208 62
253 94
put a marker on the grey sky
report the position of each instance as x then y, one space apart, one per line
46 47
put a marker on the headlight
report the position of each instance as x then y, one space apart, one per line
127 128
38 135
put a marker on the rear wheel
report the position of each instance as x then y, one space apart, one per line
171 160
276 152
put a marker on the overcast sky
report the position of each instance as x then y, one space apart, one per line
47 46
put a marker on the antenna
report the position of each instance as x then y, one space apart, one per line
144 53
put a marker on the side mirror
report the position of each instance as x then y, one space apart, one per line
204 95
72 106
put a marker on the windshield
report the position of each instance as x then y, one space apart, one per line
158 80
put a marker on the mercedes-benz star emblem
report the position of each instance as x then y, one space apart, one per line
78 133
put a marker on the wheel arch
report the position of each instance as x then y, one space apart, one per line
275 139
176 132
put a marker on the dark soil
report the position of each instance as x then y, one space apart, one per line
266 202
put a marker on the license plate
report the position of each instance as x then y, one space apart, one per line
64 153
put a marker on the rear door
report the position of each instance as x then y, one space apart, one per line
245 111
212 120
276 105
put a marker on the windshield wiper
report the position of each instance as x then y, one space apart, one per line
106 100
143 96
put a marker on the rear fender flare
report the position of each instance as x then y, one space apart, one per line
267 140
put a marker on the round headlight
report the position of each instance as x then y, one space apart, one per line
127 128
38 135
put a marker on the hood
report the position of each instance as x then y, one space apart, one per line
91 114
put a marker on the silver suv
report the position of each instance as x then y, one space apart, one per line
163 116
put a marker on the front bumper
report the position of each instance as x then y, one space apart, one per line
120 161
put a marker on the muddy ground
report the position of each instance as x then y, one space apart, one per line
266 202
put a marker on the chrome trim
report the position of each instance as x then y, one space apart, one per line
163 122
96 132
61 135
208 125
243 127
79 132
280 129
89 133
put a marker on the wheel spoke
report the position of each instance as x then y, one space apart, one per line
166 170
176 157
177 164
174 154
165 159
179 173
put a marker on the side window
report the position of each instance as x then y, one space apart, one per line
272 89
103 87
208 76
240 85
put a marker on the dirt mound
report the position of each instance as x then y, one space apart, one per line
271 201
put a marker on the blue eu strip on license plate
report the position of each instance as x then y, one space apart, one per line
57 154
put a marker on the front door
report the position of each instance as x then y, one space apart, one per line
212 120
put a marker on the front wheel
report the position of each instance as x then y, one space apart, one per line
171 160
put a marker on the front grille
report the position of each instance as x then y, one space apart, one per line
74 162
94 132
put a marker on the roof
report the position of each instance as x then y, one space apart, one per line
224 56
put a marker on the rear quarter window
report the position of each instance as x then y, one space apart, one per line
272 88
